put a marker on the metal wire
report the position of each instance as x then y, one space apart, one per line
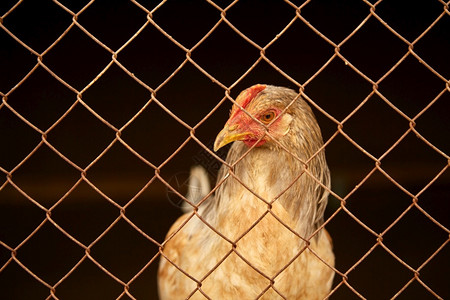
227 89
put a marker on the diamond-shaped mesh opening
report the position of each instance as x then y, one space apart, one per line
52 179
345 292
84 222
14 67
111 169
144 286
225 60
263 71
49 254
49 102
105 107
436 39
335 19
344 179
120 87
381 129
260 21
433 199
152 127
187 21
78 285
403 87
414 223
437 265
27 23
338 79
179 100
410 155
133 249
197 156
144 212
370 202
76 58
371 268
361 239
409 19
105 24
374 49
151 56
19 217
75 137
434 120
300 52
15 149
415 291
18 284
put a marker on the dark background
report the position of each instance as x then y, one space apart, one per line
155 135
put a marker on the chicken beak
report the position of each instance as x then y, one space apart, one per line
229 134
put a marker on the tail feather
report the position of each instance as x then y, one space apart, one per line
198 187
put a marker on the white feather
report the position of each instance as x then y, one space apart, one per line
198 187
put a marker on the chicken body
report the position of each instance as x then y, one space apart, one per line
266 214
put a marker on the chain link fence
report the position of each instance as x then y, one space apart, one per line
106 105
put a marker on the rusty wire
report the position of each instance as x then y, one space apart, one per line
227 89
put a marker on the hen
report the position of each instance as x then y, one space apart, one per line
260 235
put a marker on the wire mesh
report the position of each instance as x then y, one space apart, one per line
93 137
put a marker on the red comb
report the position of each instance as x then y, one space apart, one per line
249 94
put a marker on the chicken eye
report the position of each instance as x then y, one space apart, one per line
268 117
